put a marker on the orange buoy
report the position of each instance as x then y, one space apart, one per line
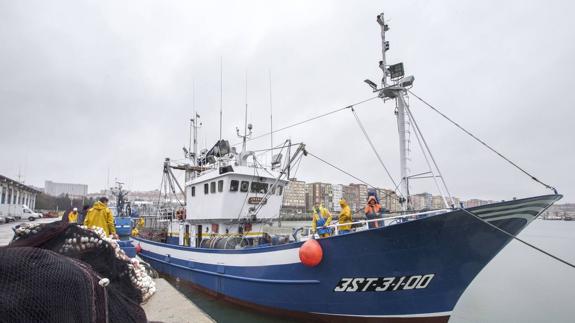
310 253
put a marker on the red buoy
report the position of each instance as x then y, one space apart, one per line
138 248
310 253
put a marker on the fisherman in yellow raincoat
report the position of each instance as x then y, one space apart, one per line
101 216
344 217
321 219
73 216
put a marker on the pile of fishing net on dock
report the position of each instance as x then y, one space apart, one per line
61 272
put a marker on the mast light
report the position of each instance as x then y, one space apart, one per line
371 84
406 81
396 71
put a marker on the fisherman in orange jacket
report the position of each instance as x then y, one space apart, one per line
373 211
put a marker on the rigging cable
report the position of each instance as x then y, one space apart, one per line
298 162
310 119
520 240
421 139
484 144
373 147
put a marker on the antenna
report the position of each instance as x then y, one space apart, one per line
246 114
384 48
247 127
271 119
221 93
194 116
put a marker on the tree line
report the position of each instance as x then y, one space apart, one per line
62 202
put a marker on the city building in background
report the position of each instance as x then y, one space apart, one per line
355 195
57 189
422 201
476 202
337 190
388 199
319 194
13 195
294 196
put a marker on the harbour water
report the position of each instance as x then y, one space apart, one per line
519 285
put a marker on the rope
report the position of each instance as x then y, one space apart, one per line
281 146
347 173
520 240
308 120
372 146
484 144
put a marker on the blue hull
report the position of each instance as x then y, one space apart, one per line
410 271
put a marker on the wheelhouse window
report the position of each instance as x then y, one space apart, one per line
245 186
258 187
220 185
212 187
193 191
206 188
234 185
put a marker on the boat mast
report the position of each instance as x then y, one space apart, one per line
393 86
271 121
384 48
245 118
247 127
221 93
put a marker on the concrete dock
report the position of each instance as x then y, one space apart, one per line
170 306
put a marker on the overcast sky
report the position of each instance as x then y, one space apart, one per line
87 86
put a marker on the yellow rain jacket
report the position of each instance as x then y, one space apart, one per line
344 215
324 214
100 216
73 217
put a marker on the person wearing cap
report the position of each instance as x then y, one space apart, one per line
73 216
101 216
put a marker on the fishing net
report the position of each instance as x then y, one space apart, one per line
129 284
38 285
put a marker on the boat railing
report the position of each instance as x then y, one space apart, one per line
363 224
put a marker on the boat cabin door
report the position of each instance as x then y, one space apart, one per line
185 235
198 235
181 231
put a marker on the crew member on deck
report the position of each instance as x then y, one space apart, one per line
73 216
373 211
321 219
344 217
101 216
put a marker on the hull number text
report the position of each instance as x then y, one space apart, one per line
383 284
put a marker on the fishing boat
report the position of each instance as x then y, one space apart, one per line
415 268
